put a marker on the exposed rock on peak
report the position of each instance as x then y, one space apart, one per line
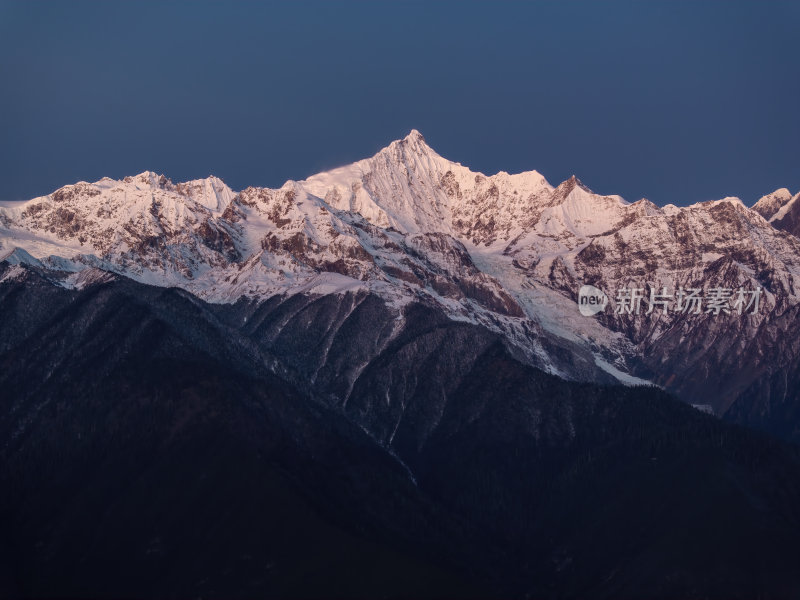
566 186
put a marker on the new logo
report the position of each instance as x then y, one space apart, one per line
591 300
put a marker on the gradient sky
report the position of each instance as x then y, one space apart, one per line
676 102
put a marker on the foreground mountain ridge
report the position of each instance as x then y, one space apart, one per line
156 445
508 252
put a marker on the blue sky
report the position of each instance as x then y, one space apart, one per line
675 101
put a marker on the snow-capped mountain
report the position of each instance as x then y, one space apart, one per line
508 252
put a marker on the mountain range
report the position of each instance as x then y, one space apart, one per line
507 252
383 369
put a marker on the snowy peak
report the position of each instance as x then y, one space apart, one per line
767 206
142 222
414 136
788 216
566 187
210 192
416 140
409 187
413 144
572 191
18 256
786 207
149 179
398 187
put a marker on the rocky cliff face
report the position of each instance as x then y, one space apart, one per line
505 252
